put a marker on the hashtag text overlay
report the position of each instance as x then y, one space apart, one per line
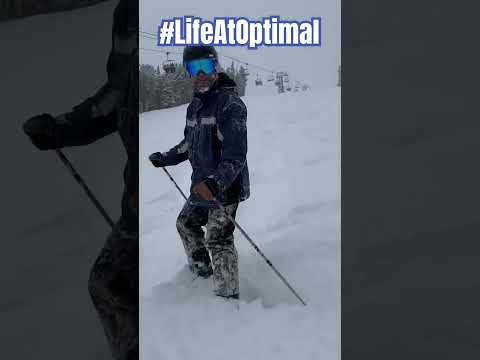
227 31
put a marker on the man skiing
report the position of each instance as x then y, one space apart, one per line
215 143
113 282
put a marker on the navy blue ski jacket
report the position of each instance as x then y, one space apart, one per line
215 143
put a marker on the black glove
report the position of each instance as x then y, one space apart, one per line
42 132
157 160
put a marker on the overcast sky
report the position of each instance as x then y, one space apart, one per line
315 65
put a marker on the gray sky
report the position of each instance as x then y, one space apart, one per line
315 65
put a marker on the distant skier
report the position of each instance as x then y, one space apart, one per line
215 143
113 282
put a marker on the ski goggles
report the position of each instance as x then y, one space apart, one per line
193 67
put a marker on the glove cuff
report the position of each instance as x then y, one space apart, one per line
55 129
212 185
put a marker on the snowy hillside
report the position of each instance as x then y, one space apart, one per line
294 217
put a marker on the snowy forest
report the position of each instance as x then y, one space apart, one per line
160 89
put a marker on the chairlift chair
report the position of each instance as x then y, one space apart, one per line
169 65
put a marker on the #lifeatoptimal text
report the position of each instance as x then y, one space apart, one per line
225 31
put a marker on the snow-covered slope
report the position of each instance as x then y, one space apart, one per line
294 217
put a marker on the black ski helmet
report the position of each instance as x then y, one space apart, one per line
199 52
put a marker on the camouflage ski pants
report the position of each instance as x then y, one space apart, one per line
218 242
113 287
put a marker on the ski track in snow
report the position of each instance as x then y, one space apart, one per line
294 217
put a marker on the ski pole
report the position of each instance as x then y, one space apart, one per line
175 183
79 179
259 251
231 218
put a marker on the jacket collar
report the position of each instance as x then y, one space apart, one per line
223 82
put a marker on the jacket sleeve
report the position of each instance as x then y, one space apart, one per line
98 115
84 124
232 131
178 153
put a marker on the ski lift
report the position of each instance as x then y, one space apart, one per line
169 65
279 77
258 81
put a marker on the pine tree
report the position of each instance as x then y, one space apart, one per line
230 71
241 80
146 86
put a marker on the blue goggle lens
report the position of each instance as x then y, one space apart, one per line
195 66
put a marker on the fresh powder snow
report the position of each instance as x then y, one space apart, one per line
293 215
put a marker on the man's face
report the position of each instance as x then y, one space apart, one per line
202 83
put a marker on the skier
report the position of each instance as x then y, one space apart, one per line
113 281
215 143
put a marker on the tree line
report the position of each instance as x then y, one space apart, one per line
159 89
